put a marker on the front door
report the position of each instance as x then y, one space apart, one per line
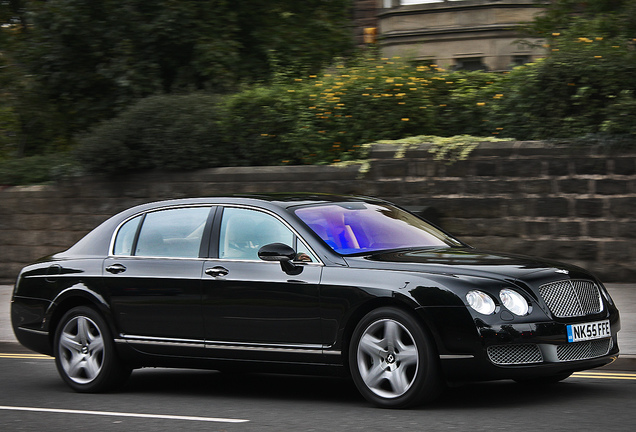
252 308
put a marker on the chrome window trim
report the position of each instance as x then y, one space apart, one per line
111 247
280 219
303 263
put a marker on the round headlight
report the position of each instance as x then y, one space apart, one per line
481 302
514 302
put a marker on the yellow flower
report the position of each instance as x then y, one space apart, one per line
481 103
405 119
597 57
556 34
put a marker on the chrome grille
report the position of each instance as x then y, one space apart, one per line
514 354
584 350
572 298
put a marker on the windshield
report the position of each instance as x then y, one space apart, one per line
357 227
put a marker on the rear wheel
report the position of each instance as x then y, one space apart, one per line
392 360
85 354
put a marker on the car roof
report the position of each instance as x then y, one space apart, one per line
96 242
283 200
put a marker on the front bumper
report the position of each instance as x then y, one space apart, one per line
528 350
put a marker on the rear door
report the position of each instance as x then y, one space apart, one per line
154 277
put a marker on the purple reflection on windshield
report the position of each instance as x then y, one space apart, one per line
357 227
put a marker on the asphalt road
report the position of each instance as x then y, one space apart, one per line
33 398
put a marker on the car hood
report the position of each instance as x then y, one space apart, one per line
468 262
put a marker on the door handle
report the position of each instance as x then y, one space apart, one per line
116 268
217 271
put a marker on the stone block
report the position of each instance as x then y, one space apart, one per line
584 250
625 165
536 187
591 166
521 207
622 207
391 168
625 230
486 168
589 207
533 229
558 167
576 186
570 230
611 187
552 207
456 169
603 229
525 168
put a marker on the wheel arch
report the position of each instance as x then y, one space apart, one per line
380 302
70 299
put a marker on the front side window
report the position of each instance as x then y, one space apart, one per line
357 227
245 231
174 233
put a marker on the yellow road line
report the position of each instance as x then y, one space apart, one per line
25 356
606 375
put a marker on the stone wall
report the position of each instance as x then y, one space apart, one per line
522 197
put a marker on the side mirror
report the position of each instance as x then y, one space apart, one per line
282 253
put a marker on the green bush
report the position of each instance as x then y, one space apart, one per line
37 169
166 132
327 118
585 86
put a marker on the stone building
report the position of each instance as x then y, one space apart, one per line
454 34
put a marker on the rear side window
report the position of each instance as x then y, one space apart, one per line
126 237
172 233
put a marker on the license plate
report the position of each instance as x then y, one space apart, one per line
589 331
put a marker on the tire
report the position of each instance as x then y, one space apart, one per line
85 354
393 360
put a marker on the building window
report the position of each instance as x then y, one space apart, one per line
470 64
520 60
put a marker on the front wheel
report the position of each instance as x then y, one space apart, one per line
85 354
393 361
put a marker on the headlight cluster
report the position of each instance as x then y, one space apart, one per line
485 304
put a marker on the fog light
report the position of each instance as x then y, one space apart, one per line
481 302
514 302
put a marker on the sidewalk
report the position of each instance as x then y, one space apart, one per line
624 296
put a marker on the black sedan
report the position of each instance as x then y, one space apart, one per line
319 283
